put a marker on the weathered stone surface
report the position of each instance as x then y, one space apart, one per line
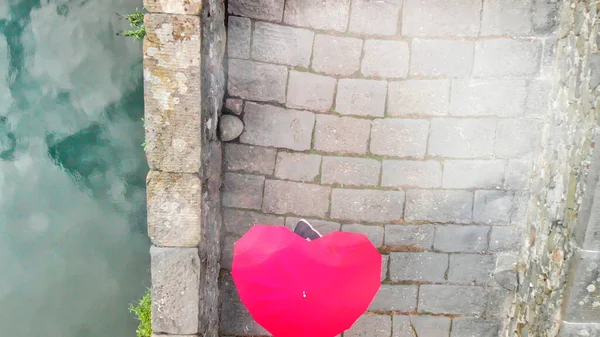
281 44
192 7
409 237
336 55
399 137
473 174
372 326
471 268
375 17
387 59
350 171
395 298
468 239
518 174
503 98
317 14
569 329
250 159
310 91
361 97
536 104
341 134
234 106
282 197
367 205
269 10
385 261
227 251
462 138
268 125
409 173
583 302
493 207
451 299
236 321
439 205
238 222
517 138
480 327
175 290
402 327
435 18
419 267
506 239
322 226
242 190
172 92
374 233
229 292
257 81
441 57
174 213
230 127
431 325
507 17
418 97
507 57
239 32
297 166
498 300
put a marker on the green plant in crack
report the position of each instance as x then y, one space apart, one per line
142 312
136 21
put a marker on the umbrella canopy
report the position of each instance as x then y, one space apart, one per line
298 288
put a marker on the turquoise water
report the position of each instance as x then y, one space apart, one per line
73 247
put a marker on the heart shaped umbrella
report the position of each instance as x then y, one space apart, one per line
293 287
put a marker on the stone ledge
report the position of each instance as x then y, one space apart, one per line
189 7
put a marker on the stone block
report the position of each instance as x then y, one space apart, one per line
503 98
468 174
361 97
396 298
409 173
499 301
310 91
418 267
545 17
350 171
538 98
418 98
227 287
451 299
324 227
371 326
192 7
505 238
409 237
257 81
247 158
439 205
172 93
239 222
402 326
431 325
175 290
445 19
317 14
480 327
234 106
385 261
242 190
569 329
367 205
273 43
452 58
507 17
462 138
268 125
504 57
518 174
268 10
583 294
385 58
298 166
375 17
399 137
227 251
493 207
454 238
342 134
374 233
471 268
174 212
282 197
236 321
336 55
517 138
239 32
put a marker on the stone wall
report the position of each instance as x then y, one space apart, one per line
560 278
183 91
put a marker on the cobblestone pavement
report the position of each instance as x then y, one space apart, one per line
414 122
